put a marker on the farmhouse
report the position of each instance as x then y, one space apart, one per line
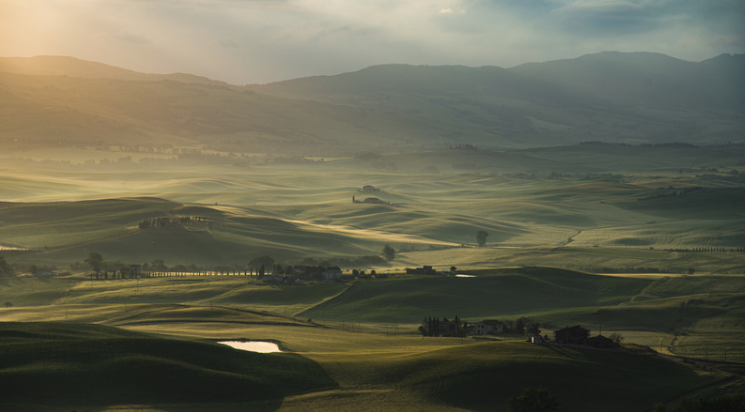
488 327
600 341
370 189
331 274
574 334
424 270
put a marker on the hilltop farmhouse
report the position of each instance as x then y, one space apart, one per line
488 327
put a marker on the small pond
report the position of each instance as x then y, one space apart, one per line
253 346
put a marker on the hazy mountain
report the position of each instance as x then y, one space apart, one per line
648 79
72 67
611 97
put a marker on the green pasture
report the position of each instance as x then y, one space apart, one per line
295 210
481 377
363 335
445 374
68 365
504 292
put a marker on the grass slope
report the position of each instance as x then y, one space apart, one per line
481 377
76 364
506 292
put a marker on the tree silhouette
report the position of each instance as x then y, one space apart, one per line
94 261
5 267
533 329
533 400
264 261
388 252
481 238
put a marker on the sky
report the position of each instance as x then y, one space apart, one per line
261 41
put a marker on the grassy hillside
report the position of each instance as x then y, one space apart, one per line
55 111
85 366
64 102
507 292
482 377
583 220
364 337
612 96
79 365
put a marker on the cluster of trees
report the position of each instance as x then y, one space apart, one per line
433 326
725 403
522 326
533 400
443 327
709 249
309 268
363 274
675 193
169 221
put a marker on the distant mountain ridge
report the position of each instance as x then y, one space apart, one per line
74 67
615 97
649 78
637 77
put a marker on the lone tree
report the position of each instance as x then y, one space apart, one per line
5 268
94 261
388 252
533 400
481 238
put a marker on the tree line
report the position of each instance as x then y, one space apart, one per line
308 268
436 327
169 221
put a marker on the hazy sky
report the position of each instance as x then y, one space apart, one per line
258 41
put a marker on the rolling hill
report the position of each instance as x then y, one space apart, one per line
56 365
626 97
612 97
358 364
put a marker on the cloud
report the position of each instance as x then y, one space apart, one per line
128 36
245 41
228 43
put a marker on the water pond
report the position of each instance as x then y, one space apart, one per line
253 346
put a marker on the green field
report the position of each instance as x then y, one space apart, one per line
617 241
616 219
364 341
